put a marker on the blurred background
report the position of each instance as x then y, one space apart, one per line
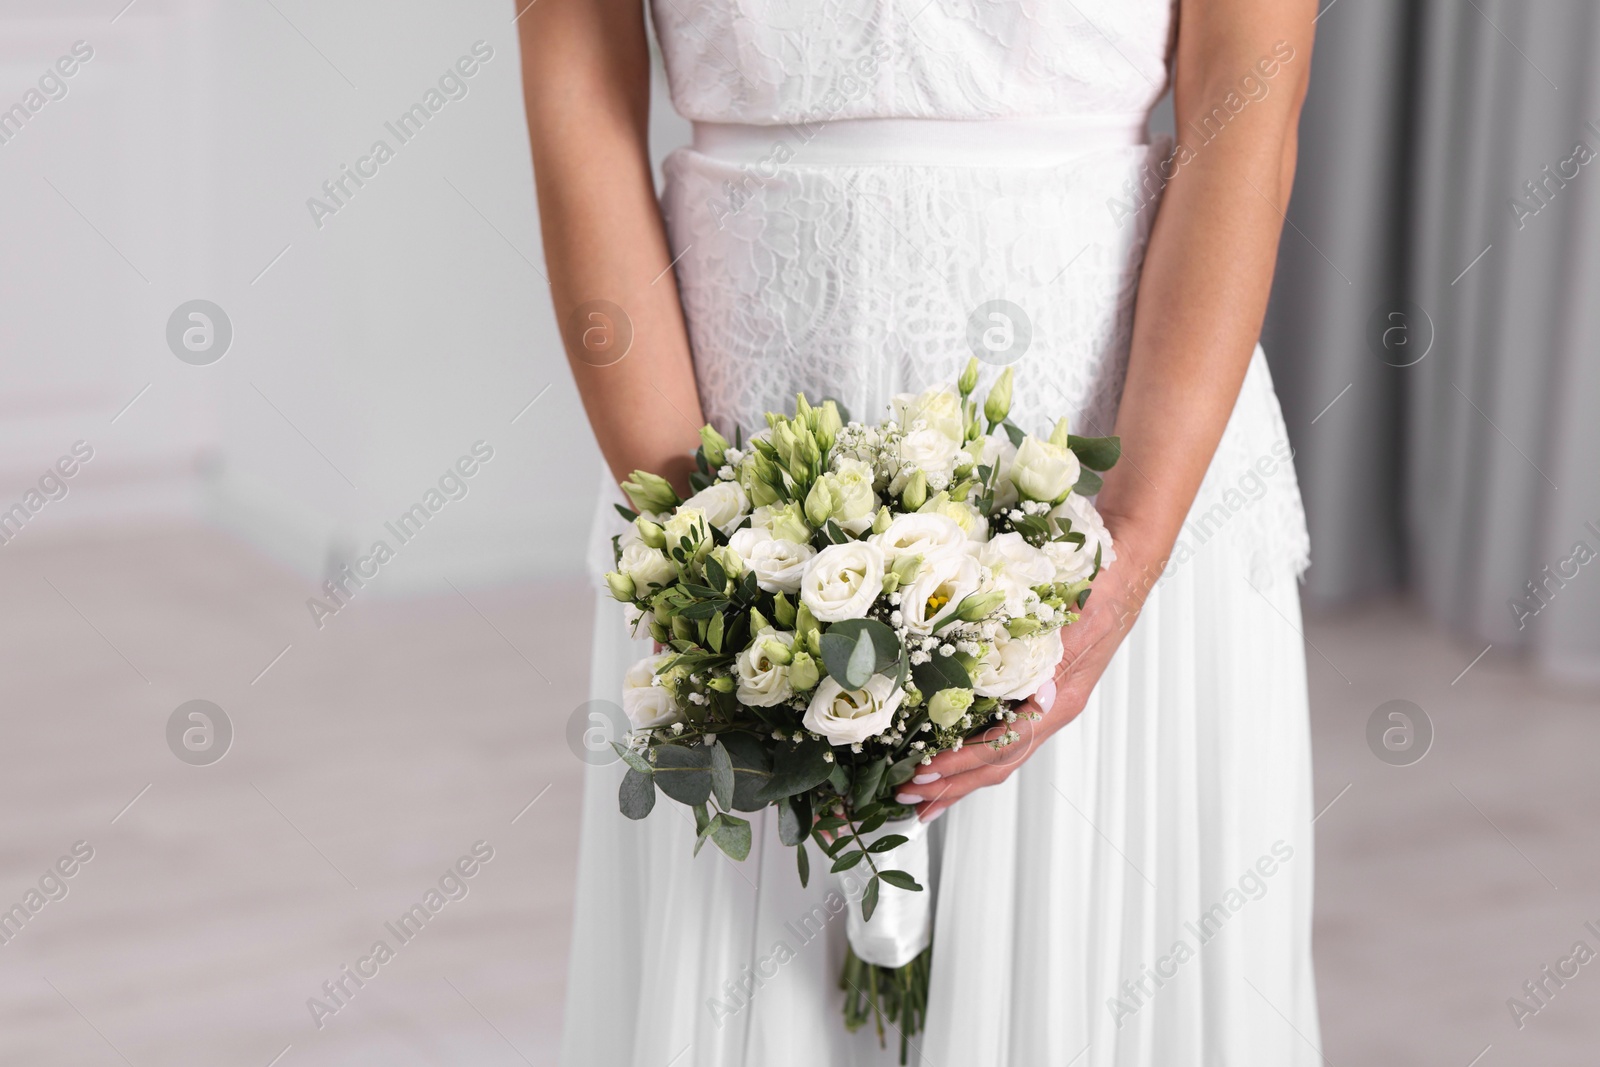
241 346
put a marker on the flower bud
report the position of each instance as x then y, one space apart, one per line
806 630
915 493
650 492
828 425
969 378
650 533
978 606
776 651
819 503
714 446
881 523
782 610
621 586
722 683
948 705
732 562
803 672
1059 435
1023 626
998 405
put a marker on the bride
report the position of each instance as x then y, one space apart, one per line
877 190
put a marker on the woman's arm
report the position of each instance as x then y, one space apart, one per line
586 82
1202 296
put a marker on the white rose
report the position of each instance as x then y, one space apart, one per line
842 581
1084 519
1043 471
947 576
1015 667
648 705
723 503
938 409
1018 567
918 534
763 683
646 566
778 564
855 504
849 716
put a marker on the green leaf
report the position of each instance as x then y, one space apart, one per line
625 513
632 758
904 770
829 823
637 794
721 775
869 899
1014 432
797 767
803 862
716 577
752 768
839 778
887 842
869 777
1089 483
873 821
1096 453
714 631
699 481
794 819
940 672
684 773
850 859
702 826
842 643
901 880
732 835
836 846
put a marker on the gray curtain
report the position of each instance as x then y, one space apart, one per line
1435 326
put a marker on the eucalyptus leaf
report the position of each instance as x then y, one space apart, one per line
721 775
732 835
940 672
839 778
904 770
1089 483
637 795
797 766
632 758
1096 453
869 777
752 768
684 773
794 819
802 861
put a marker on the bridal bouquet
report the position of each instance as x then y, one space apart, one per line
835 605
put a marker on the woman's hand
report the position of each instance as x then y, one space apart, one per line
1118 596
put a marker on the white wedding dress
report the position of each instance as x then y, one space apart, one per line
866 176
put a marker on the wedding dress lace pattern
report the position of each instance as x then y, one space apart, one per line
872 182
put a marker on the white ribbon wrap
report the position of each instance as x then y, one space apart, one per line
902 924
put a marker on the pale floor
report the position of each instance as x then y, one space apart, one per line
378 750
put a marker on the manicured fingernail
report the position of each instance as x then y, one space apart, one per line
907 798
1046 696
924 779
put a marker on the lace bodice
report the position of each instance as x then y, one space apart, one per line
777 61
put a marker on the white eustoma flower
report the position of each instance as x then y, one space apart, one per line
1017 566
1043 471
1072 562
723 504
646 704
918 534
946 577
647 566
842 581
686 522
973 523
851 716
938 409
929 451
777 564
1015 667
855 504
1086 520
763 683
